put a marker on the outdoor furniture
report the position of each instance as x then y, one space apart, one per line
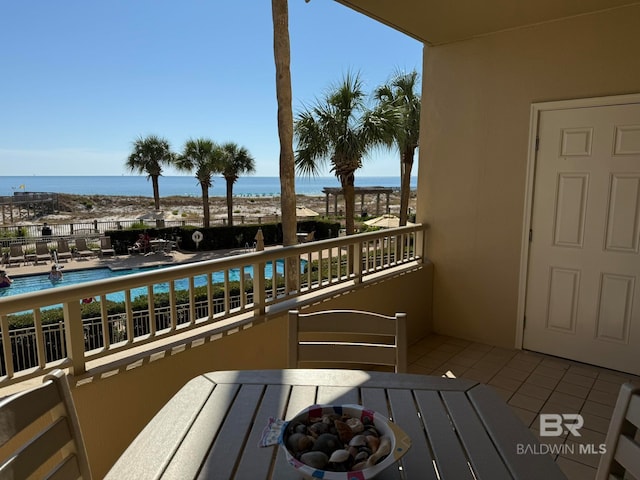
81 248
306 237
42 252
161 245
16 254
39 432
211 427
105 246
63 252
622 454
347 337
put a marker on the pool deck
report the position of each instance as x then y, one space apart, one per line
120 262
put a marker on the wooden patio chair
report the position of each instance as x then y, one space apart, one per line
40 433
622 457
347 337
105 246
16 254
81 248
63 252
42 252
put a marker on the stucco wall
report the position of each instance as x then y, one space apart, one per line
114 406
477 96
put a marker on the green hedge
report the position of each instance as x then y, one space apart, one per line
221 237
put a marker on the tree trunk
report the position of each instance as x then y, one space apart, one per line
156 191
349 192
406 164
205 206
282 56
230 203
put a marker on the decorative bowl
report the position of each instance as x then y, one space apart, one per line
399 441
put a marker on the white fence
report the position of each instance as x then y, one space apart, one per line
34 349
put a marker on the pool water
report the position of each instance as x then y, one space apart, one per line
36 283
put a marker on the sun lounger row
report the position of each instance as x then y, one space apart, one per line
62 252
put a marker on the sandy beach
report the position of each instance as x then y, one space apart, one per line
115 208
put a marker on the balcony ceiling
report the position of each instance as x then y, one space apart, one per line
437 22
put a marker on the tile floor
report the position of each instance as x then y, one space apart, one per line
531 384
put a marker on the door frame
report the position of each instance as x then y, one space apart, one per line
534 121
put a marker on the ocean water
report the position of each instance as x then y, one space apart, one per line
176 185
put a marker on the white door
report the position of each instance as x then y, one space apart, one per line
583 284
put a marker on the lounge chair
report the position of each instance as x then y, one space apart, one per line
105 246
81 248
16 255
42 252
63 252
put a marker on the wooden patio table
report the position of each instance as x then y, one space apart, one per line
211 428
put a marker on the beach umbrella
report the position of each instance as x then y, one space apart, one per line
154 215
385 221
157 216
305 212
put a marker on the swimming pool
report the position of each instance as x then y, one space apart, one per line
36 283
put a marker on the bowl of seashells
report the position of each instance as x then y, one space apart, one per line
342 442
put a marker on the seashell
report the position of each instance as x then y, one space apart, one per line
344 432
358 441
359 466
353 451
367 450
361 457
339 456
318 428
383 450
299 442
327 443
355 425
317 460
371 431
373 442
328 418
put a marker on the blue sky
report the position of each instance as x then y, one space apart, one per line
81 80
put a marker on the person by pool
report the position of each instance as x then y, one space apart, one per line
55 275
5 281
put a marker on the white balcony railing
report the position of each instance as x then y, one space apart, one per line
55 328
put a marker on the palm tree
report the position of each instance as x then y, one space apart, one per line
235 161
282 58
341 129
205 157
399 95
149 155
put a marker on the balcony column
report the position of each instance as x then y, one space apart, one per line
258 278
74 334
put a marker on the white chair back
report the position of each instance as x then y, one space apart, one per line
347 337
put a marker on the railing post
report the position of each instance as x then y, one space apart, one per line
355 251
420 244
258 277
258 288
7 349
74 333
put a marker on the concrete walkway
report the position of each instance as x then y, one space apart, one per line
123 262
